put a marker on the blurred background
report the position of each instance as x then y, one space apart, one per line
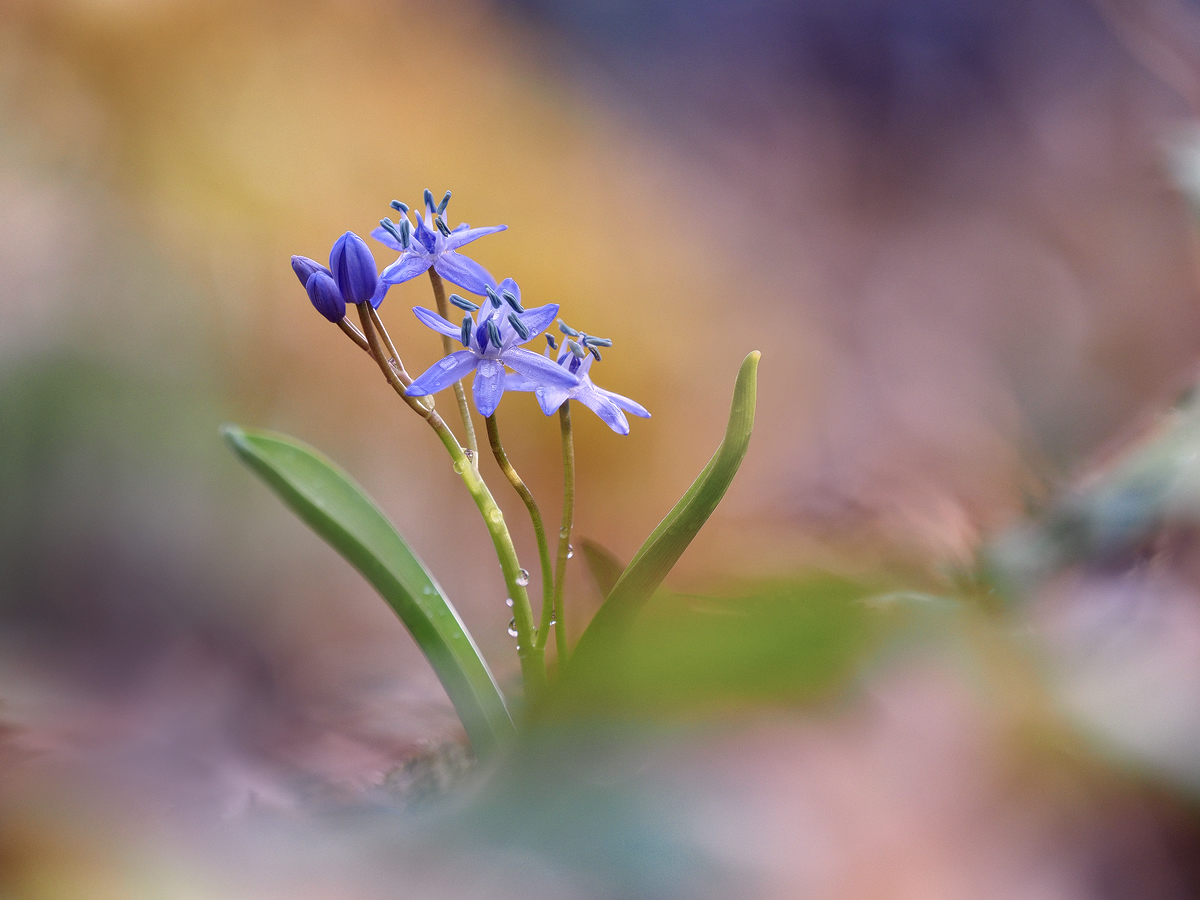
952 231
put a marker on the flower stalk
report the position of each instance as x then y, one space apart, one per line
539 529
460 393
564 532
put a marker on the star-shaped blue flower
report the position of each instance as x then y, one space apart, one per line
577 357
491 343
433 243
350 277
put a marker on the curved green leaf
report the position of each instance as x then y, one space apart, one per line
338 510
667 542
602 565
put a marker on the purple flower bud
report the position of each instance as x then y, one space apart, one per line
325 296
353 268
304 268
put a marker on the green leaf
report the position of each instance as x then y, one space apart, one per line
602 565
338 510
666 544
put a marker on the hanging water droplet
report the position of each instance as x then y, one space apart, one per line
460 466
563 532
523 578
496 516
508 601
554 621
512 627
570 551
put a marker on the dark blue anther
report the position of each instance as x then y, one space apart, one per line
595 353
518 326
577 349
493 296
463 303
441 207
567 329
593 341
390 227
405 233
442 226
429 200
399 207
511 299
466 331
550 341
493 331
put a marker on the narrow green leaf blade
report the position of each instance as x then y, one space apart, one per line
667 542
338 510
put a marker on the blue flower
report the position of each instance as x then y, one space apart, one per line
350 277
490 344
577 357
432 243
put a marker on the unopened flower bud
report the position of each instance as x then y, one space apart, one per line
325 296
353 268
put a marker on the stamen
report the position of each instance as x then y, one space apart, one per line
577 349
441 207
493 296
429 200
567 329
493 331
405 233
511 299
442 226
390 227
518 326
595 353
466 331
550 341
592 341
464 303
399 207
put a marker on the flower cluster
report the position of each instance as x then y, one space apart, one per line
493 333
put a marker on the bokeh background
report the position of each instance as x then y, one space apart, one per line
950 228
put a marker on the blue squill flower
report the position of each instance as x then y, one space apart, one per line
433 243
577 357
491 342
350 277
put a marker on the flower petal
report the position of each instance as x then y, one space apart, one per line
465 272
407 267
551 398
384 237
325 296
626 404
443 373
608 411
538 319
304 268
514 381
425 235
536 367
461 236
353 268
432 320
488 386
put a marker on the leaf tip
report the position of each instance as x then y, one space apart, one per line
233 435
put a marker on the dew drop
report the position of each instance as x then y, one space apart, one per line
508 601
460 466
512 627
523 578
447 363
427 590
554 621
563 532
496 516
469 454
392 362
570 551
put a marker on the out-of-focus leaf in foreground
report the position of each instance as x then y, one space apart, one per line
338 510
667 542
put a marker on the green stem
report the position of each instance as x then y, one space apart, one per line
443 308
539 530
531 656
564 532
